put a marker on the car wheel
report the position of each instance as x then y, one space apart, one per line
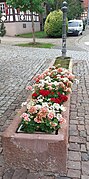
81 33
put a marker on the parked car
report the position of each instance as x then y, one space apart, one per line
75 27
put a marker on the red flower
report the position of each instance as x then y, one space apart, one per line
62 97
34 95
56 100
44 92
52 93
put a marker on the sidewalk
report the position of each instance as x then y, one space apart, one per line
78 150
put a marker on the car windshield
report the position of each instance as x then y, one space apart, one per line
73 24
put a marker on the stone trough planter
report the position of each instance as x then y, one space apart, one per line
36 152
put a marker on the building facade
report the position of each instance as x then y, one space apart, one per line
18 22
85 4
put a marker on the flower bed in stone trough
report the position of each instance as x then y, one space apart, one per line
50 91
30 140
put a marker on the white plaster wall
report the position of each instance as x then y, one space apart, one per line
14 28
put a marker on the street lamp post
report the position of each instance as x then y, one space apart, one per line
64 10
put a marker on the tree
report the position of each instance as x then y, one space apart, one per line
2 27
32 5
75 7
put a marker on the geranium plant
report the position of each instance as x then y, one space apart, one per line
50 91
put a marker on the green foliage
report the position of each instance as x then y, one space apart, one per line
32 5
37 45
2 29
53 24
75 7
40 34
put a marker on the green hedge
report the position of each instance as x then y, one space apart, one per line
53 24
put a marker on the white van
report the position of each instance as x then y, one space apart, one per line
75 27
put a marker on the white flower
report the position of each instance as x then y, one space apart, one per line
40 100
48 78
56 106
55 83
65 79
38 106
41 82
45 104
62 108
31 103
58 116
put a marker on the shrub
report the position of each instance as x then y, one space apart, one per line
53 24
2 29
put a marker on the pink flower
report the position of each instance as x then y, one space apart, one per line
33 109
61 84
53 124
71 77
62 120
59 70
25 116
29 88
44 110
68 90
50 87
50 115
69 84
37 119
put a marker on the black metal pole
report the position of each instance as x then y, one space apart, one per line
64 10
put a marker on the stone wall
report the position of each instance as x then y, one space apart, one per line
15 28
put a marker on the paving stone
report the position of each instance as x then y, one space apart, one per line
73 132
84 177
83 147
81 127
73 127
74 146
85 156
74 165
82 134
87 145
88 138
73 122
85 167
77 139
73 173
75 156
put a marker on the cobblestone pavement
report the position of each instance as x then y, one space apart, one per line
17 68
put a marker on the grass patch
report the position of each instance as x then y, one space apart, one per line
63 61
40 34
36 45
